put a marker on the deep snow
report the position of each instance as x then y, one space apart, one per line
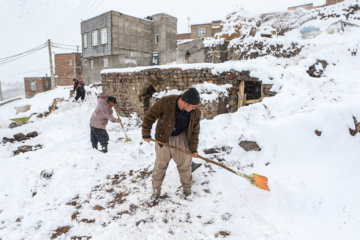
313 179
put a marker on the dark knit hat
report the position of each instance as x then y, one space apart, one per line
191 96
111 99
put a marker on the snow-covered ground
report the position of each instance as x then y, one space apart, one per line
67 190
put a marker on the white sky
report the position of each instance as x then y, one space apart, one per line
29 23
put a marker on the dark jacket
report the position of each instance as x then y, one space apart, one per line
80 88
164 110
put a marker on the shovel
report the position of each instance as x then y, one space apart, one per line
127 139
255 179
72 93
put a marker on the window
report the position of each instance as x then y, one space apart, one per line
94 37
91 63
105 62
157 38
33 86
103 36
85 40
201 31
70 61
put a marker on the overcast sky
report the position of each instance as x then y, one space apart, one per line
27 24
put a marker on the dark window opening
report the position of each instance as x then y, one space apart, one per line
145 97
252 90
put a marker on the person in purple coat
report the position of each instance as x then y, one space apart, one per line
99 119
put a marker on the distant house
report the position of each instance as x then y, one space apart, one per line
332 2
190 45
116 40
311 6
305 6
34 85
191 51
67 67
201 30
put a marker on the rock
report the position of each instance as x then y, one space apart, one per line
18 136
5 140
249 146
46 174
22 149
32 134
318 133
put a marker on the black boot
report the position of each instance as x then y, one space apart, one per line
104 148
94 146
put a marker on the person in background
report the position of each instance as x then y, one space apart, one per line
80 89
178 125
99 119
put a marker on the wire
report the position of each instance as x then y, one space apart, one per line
75 24
70 20
15 57
24 72
23 53
65 44
64 48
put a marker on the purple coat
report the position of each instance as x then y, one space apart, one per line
102 114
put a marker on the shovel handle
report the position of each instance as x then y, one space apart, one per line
203 158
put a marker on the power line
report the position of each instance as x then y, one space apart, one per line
55 46
73 27
23 72
23 53
70 20
64 44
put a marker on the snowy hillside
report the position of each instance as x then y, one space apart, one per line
67 190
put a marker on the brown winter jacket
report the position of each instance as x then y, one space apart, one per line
102 114
164 110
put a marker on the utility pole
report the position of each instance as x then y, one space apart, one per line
51 66
189 29
0 92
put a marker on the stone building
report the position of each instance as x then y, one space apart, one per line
134 89
34 85
67 67
116 40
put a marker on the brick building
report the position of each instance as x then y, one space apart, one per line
331 2
201 31
34 85
205 30
67 67
116 40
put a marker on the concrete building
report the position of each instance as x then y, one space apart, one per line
116 40
191 51
190 45
34 85
67 67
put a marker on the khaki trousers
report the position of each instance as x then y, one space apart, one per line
182 160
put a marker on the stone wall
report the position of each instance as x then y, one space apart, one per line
134 90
